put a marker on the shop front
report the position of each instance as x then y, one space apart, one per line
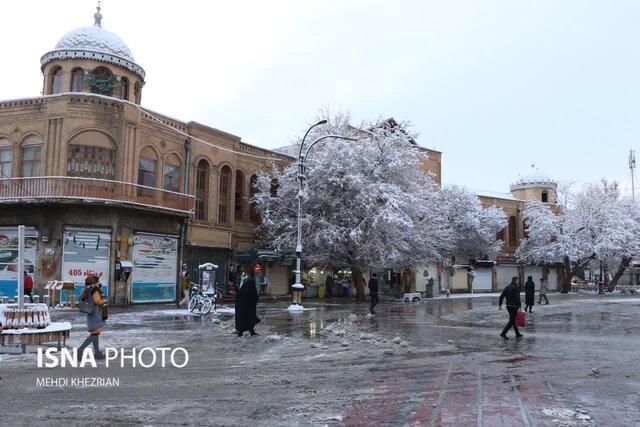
268 269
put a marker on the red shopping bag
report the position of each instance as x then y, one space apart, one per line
521 319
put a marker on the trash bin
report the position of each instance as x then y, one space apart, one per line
428 293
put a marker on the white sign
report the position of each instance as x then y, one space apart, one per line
85 252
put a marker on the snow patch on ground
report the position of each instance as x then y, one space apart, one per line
568 417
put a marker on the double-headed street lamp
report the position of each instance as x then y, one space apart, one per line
297 286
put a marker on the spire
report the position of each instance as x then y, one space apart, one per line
98 17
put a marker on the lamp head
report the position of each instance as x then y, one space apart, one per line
321 122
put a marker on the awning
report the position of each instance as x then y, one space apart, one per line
257 255
267 256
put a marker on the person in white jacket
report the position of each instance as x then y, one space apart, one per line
543 292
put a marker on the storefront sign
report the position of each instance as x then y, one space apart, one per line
506 259
9 257
85 252
155 266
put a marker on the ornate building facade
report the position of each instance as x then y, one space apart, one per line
100 181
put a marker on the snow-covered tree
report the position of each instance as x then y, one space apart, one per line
591 225
472 228
365 203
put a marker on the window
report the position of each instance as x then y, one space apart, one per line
56 81
225 194
512 231
77 80
202 183
239 194
171 174
31 156
253 189
147 172
6 158
124 89
545 197
91 162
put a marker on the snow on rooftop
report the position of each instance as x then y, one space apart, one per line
494 194
95 39
534 176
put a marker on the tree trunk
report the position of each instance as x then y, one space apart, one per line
356 273
624 264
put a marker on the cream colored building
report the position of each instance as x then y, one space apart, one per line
495 272
99 180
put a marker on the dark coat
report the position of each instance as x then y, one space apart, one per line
373 285
512 294
246 302
529 292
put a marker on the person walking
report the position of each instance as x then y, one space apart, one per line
543 292
28 286
512 295
328 285
373 292
95 322
529 294
186 287
246 302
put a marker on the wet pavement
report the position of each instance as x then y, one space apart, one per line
435 363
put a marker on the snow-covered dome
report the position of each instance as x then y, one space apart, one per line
534 178
95 43
95 39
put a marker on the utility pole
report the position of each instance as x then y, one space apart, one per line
632 166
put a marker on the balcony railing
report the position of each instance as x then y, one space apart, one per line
52 188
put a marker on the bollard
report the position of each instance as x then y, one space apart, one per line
36 299
5 300
46 299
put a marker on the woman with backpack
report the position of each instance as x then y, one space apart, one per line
93 302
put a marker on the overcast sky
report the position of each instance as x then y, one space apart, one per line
494 85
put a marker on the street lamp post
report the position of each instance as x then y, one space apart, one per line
298 286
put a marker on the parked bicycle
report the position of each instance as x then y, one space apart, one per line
200 302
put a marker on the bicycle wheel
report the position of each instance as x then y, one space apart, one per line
205 308
193 303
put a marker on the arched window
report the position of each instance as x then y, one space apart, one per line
91 154
225 195
202 190
56 80
6 158
124 89
239 194
147 171
31 156
512 231
77 80
545 197
171 174
253 189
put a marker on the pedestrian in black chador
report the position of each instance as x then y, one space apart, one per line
373 292
529 294
246 302
512 294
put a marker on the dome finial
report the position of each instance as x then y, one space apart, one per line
98 17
